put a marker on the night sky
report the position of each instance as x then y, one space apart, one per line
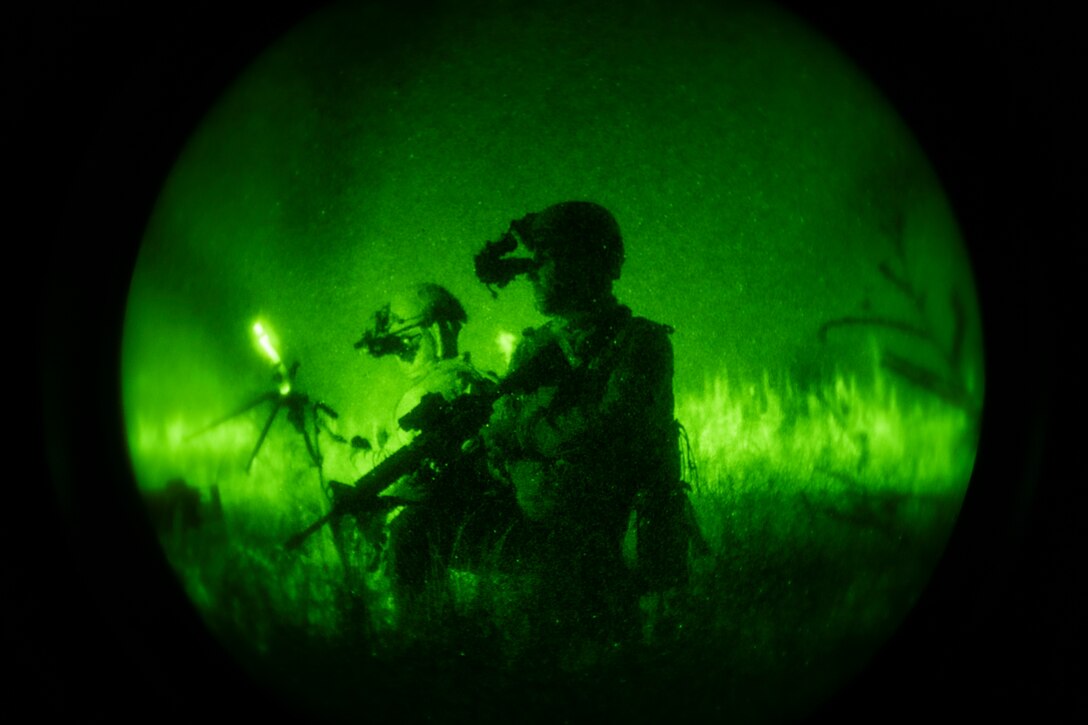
754 173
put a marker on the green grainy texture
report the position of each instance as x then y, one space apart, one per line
775 212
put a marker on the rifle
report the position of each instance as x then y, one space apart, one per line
446 431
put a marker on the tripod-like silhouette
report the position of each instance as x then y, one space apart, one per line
296 403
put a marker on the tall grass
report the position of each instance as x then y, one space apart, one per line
825 510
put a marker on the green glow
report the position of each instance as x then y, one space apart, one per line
829 367
506 341
266 343
918 445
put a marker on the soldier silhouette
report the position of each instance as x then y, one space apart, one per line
593 444
442 505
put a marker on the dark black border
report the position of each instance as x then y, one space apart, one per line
988 89
106 96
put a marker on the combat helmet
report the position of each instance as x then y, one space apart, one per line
393 326
426 304
576 231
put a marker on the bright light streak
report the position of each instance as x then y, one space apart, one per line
266 343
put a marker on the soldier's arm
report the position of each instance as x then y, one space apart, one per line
638 391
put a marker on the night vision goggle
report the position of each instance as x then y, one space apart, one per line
494 267
389 336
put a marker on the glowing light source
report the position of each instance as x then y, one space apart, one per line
507 342
266 343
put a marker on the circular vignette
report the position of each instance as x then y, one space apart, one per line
88 387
